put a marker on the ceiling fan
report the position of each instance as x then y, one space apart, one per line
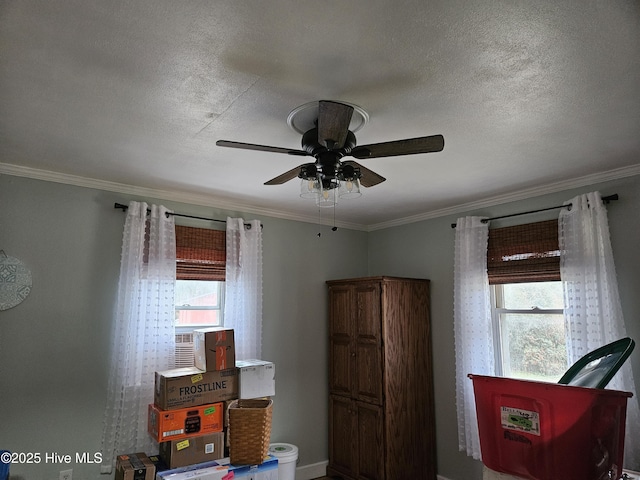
329 140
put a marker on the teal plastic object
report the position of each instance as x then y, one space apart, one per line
598 367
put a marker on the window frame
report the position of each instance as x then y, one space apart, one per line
180 329
497 310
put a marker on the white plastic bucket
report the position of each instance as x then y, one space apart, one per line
287 456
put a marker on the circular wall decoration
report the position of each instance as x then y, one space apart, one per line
15 281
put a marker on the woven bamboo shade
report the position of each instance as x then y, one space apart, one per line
200 253
524 253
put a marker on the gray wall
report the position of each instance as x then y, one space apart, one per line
54 346
425 249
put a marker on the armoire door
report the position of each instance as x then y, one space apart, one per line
370 442
342 436
341 331
367 344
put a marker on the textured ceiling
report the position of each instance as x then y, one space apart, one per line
528 95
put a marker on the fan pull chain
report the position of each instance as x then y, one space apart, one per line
334 218
334 228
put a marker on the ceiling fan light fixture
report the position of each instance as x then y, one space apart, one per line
309 184
349 189
327 195
309 188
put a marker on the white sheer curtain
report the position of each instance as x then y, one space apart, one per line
143 338
243 286
472 323
593 313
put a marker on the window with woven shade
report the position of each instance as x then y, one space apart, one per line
524 253
523 266
200 275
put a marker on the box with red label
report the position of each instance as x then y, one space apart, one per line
164 425
267 470
214 348
134 466
189 451
190 386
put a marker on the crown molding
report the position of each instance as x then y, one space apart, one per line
233 205
217 202
555 187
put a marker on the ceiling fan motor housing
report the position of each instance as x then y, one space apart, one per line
312 146
327 160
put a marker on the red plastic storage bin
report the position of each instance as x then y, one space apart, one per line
548 431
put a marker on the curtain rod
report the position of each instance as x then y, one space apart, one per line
124 208
606 199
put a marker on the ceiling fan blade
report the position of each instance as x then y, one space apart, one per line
333 123
409 146
262 148
369 178
285 177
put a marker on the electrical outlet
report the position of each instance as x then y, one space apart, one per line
66 474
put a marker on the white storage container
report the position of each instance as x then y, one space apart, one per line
287 456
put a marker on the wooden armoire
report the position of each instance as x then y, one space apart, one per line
381 406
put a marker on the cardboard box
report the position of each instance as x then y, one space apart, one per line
134 466
214 348
158 463
190 387
267 470
189 451
165 425
256 379
216 472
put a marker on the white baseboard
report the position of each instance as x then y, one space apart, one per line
440 477
314 470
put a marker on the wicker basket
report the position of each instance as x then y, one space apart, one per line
249 431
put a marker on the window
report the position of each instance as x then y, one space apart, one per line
199 292
199 303
527 299
529 330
